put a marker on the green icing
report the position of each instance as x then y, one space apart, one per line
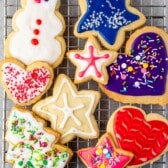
29 164
37 158
45 162
20 163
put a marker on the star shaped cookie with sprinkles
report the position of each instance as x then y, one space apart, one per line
70 111
105 155
91 62
108 20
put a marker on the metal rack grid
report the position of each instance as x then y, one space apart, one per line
155 11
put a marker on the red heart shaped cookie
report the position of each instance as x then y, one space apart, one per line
25 85
146 136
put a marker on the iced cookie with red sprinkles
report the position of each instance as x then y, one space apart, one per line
145 135
105 155
32 144
140 74
91 62
37 34
25 85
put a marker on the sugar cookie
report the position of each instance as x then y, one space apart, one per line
32 144
91 62
37 33
25 85
146 136
108 20
70 111
105 155
140 74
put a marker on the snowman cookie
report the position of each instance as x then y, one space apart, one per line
37 33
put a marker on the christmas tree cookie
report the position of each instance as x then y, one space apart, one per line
32 144
37 33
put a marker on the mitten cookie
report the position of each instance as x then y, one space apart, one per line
105 155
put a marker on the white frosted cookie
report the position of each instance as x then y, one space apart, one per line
37 33
32 144
91 62
25 85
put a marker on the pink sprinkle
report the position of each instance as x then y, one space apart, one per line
143 70
37 1
123 76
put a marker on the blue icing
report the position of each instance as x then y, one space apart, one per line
106 17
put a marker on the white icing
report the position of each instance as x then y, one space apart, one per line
23 149
83 63
29 124
49 49
68 112
14 77
91 132
35 156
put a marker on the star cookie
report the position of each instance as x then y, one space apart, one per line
105 155
32 144
108 20
70 111
91 62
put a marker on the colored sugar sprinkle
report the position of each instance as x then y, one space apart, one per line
33 147
103 155
106 17
25 86
144 72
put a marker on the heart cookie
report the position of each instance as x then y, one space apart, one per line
141 71
25 85
146 136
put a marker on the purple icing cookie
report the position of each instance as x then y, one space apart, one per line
142 70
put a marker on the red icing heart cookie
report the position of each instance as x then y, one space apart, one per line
146 136
25 85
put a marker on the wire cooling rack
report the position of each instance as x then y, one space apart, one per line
155 11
